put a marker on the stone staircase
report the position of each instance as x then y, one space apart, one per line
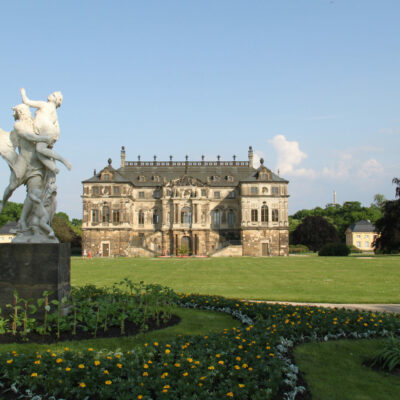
232 250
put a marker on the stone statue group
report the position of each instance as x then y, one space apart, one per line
28 150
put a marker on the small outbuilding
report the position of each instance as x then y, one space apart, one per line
6 232
361 234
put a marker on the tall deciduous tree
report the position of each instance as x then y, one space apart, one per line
315 232
389 225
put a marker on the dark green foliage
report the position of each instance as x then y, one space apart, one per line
315 232
389 228
341 216
298 248
334 249
389 357
11 212
389 225
66 232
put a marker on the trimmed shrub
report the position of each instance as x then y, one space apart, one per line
354 249
334 249
298 248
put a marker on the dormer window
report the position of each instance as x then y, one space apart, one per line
229 178
215 178
106 177
156 178
141 178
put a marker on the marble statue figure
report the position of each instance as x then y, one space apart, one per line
28 151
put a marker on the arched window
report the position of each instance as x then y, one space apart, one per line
141 217
264 214
156 217
186 215
106 214
216 217
231 218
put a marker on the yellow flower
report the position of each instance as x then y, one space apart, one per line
241 385
218 355
271 354
82 384
167 351
81 366
189 360
96 363
167 387
37 362
118 356
155 343
165 390
145 373
244 366
68 369
200 384
90 349
119 365
185 374
202 378
238 358
108 382
53 354
177 365
229 394
140 397
66 348
145 366
221 362
33 374
9 361
197 362
211 367
59 360
106 372
237 367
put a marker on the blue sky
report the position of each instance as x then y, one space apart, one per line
312 85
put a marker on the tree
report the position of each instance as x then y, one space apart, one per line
389 225
379 201
315 232
11 212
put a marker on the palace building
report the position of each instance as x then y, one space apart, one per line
147 208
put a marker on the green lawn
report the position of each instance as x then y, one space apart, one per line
313 279
335 371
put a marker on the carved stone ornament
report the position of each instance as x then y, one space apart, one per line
28 151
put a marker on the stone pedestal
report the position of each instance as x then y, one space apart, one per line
30 269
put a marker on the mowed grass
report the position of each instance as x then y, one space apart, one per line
304 279
335 371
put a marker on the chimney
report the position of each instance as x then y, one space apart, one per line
122 156
250 157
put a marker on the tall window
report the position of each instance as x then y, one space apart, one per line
141 217
95 190
217 195
254 215
95 215
204 192
141 195
231 218
232 194
116 190
264 214
115 215
156 217
275 190
106 214
186 215
216 217
275 215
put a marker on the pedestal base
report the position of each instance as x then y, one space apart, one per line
30 269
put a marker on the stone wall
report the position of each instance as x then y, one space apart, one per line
271 242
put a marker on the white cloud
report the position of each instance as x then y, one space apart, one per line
371 168
289 156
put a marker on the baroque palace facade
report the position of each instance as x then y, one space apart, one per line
155 207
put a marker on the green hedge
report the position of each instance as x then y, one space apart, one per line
334 249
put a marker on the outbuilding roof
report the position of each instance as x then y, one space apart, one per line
362 226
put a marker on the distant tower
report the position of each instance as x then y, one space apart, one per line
334 198
122 156
250 157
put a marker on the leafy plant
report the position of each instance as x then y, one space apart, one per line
389 357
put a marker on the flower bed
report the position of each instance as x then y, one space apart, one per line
251 362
